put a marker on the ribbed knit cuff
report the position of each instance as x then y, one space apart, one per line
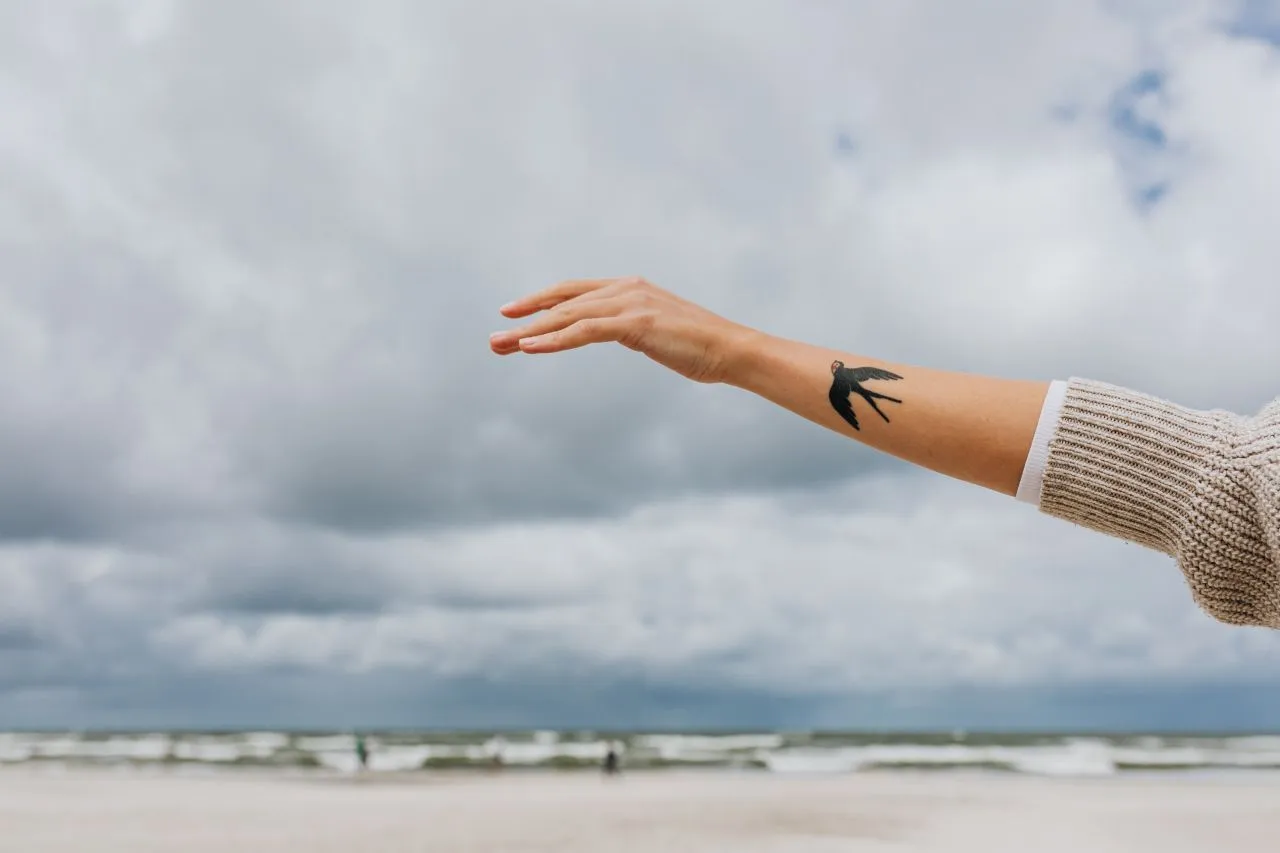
1129 464
1038 457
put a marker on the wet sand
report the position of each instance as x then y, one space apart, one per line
60 812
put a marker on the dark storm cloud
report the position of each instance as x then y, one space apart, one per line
582 453
19 638
250 572
600 702
54 485
400 700
303 589
37 661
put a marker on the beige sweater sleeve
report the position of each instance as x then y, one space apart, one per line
1201 486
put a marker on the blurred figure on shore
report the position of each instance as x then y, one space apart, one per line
612 761
362 753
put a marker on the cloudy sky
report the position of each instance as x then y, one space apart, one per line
259 466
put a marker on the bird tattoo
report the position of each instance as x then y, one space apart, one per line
848 380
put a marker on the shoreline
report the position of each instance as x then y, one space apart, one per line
269 812
201 769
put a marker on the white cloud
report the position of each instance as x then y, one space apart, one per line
934 587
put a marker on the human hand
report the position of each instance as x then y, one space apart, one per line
674 332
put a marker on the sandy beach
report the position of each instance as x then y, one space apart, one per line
53 812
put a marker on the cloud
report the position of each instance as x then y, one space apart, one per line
700 592
251 425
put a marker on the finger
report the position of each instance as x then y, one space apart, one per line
503 346
561 317
553 296
593 330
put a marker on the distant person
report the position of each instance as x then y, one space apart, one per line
612 763
362 753
1201 486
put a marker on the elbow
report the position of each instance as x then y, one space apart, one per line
1233 575
1240 613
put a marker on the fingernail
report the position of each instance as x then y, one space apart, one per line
495 335
507 307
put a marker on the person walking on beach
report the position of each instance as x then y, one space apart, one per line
612 763
1200 486
362 753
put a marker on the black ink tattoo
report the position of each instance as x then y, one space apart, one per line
848 380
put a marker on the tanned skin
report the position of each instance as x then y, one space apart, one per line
974 428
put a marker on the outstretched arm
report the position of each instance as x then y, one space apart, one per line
975 428
1203 487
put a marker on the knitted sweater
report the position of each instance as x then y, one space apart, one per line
1201 486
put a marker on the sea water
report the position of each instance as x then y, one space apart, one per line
1042 754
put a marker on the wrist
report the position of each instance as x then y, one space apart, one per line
741 350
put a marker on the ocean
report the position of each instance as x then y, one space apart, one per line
1070 755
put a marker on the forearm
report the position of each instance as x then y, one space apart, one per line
974 428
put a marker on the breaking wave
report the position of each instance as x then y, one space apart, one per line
794 753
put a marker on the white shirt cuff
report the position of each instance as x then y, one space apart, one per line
1033 472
